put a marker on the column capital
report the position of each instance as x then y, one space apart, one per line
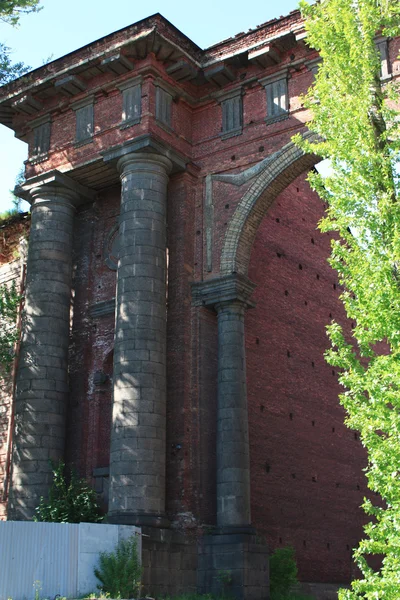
221 292
143 161
54 187
146 145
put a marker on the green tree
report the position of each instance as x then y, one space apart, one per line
71 499
355 115
9 302
10 13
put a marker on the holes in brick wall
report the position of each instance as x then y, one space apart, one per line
278 254
288 353
305 303
358 487
304 543
277 220
353 325
337 484
297 190
293 475
330 315
314 478
317 276
261 149
347 547
198 232
258 341
312 241
233 157
328 545
313 423
356 436
262 407
291 416
292 57
286 293
267 468
280 540
333 373
312 364
334 286
301 267
333 430
226 206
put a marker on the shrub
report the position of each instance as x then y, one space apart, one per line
70 500
120 571
283 575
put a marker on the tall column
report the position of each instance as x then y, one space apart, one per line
233 463
42 380
137 458
229 296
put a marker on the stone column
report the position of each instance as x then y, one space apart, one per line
233 463
42 380
229 296
233 544
137 459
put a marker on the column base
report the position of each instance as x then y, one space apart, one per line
139 519
233 564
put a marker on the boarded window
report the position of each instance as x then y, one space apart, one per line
163 106
277 99
41 139
84 123
131 105
232 115
382 47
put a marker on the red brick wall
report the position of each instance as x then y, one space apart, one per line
306 467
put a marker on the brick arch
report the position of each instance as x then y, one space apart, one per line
283 168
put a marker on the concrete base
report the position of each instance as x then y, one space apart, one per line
169 560
233 564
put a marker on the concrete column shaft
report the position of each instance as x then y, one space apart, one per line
137 460
42 380
233 465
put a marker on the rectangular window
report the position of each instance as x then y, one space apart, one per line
84 124
131 105
382 47
163 106
277 99
232 116
41 140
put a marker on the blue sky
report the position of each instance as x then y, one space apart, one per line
63 26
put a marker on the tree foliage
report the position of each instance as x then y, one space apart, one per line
120 571
355 114
9 302
71 500
11 12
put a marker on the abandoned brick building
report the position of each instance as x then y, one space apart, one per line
177 293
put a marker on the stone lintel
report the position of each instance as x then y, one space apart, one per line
57 179
102 309
146 144
229 288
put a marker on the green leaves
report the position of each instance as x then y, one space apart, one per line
12 10
9 301
352 110
120 571
70 500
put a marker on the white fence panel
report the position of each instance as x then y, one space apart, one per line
54 558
